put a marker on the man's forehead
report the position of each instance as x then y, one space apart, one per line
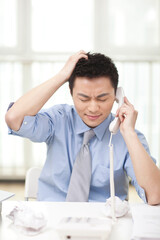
93 87
100 82
98 96
79 78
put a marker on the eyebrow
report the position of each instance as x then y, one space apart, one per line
99 96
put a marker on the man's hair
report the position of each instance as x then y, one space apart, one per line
97 65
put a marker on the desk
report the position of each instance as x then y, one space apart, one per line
54 212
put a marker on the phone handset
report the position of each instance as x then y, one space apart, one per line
114 125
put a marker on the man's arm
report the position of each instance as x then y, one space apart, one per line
30 103
147 173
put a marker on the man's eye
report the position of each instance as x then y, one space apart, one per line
102 100
84 100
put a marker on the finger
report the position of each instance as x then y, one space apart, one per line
118 114
75 58
118 110
125 109
81 56
126 106
81 51
123 112
121 117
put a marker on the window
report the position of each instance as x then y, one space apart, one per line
8 23
129 28
37 36
60 26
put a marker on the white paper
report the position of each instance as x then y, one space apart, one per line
27 220
121 207
146 221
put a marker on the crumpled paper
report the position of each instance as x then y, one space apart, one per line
121 207
28 221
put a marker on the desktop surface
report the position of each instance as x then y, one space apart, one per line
56 211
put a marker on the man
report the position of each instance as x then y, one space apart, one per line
93 80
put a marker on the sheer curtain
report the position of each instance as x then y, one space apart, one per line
37 36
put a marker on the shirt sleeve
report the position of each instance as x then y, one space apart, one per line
129 167
39 128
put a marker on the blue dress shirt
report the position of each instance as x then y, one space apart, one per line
61 128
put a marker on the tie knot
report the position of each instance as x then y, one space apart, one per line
87 136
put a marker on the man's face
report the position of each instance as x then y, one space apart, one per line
93 99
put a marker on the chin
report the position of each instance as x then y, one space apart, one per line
92 124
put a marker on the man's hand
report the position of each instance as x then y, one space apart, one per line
25 106
128 117
71 63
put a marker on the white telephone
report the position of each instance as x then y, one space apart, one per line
114 125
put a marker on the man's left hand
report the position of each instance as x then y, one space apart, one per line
128 117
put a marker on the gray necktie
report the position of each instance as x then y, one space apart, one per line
79 185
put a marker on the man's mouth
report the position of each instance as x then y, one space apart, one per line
93 117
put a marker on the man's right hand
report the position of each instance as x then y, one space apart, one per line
30 103
71 63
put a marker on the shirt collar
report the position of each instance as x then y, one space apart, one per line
100 129
81 127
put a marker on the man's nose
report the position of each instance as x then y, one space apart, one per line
93 106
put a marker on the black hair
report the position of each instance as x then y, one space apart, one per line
97 65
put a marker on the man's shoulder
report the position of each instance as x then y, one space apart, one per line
59 108
60 111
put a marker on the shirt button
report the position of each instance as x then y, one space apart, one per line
142 194
25 123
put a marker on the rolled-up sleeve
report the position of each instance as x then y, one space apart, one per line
38 128
129 167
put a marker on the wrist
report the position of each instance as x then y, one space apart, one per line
128 133
61 78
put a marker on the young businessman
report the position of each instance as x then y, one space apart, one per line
93 80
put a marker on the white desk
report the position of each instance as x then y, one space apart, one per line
54 212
